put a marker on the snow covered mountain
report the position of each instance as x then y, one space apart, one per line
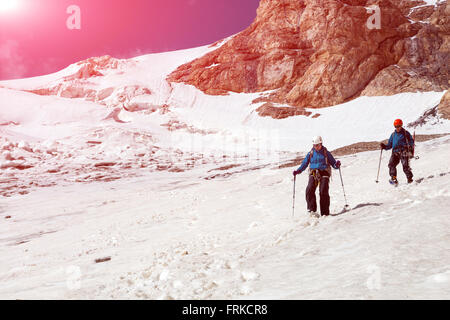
103 118
119 183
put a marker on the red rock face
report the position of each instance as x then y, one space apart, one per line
444 106
317 53
424 65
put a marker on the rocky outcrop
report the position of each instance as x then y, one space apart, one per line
94 66
108 96
317 53
86 71
268 109
104 63
444 106
80 84
424 66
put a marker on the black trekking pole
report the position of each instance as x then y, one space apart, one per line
379 164
293 199
342 182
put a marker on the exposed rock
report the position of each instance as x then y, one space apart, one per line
104 63
92 67
105 164
115 115
79 88
407 6
317 53
7 123
173 125
430 116
104 93
424 65
141 106
394 79
421 13
81 85
129 92
444 106
100 260
270 110
70 91
52 91
86 71
20 165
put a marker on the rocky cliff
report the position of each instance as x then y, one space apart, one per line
317 53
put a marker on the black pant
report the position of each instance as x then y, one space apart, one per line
394 161
323 183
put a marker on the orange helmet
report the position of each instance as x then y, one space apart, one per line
398 122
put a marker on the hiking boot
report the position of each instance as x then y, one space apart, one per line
313 214
410 180
393 180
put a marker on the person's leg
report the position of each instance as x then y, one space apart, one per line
393 162
406 167
311 194
324 196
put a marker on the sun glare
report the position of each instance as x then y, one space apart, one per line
8 5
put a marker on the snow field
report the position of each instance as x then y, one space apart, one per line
171 236
151 205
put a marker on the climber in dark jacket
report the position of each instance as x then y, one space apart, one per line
402 144
319 160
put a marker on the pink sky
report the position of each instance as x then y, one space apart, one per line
35 40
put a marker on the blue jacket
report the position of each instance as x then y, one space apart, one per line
397 141
317 161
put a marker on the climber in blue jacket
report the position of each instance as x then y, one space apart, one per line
402 144
320 161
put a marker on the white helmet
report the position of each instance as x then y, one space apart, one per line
317 140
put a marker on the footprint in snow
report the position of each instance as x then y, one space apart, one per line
249 275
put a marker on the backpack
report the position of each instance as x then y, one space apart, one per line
409 149
325 151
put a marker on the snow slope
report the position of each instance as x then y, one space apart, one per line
48 140
178 194
174 236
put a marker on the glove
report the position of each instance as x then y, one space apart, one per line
383 146
338 164
296 172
